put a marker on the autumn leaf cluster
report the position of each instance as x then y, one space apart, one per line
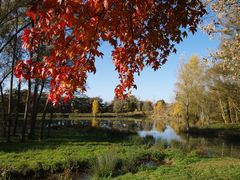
142 33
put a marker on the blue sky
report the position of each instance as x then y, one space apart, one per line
151 85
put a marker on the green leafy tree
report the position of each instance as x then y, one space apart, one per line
147 106
129 104
118 105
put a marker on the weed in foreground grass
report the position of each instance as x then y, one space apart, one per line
105 164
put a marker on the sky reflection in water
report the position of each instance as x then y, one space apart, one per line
168 134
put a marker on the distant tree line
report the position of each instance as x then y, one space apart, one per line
82 104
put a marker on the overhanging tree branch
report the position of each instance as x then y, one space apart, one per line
5 77
12 37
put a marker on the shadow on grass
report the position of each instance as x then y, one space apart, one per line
71 136
231 134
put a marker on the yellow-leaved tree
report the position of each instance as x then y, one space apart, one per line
95 107
189 88
160 107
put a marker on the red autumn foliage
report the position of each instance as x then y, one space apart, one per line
143 33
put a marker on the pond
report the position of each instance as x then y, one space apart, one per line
214 146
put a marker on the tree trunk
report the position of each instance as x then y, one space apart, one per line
18 93
228 107
232 111
237 112
4 112
236 116
43 119
17 109
40 94
26 111
11 86
10 107
222 111
187 115
50 122
38 101
33 113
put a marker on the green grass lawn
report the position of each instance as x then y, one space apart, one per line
67 149
109 154
221 125
213 168
73 116
88 116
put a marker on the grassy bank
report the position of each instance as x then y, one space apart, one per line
226 131
109 154
212 168
77 116
109 116
68 150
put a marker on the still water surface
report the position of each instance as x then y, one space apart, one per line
216 146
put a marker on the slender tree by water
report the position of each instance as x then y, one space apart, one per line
95 107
